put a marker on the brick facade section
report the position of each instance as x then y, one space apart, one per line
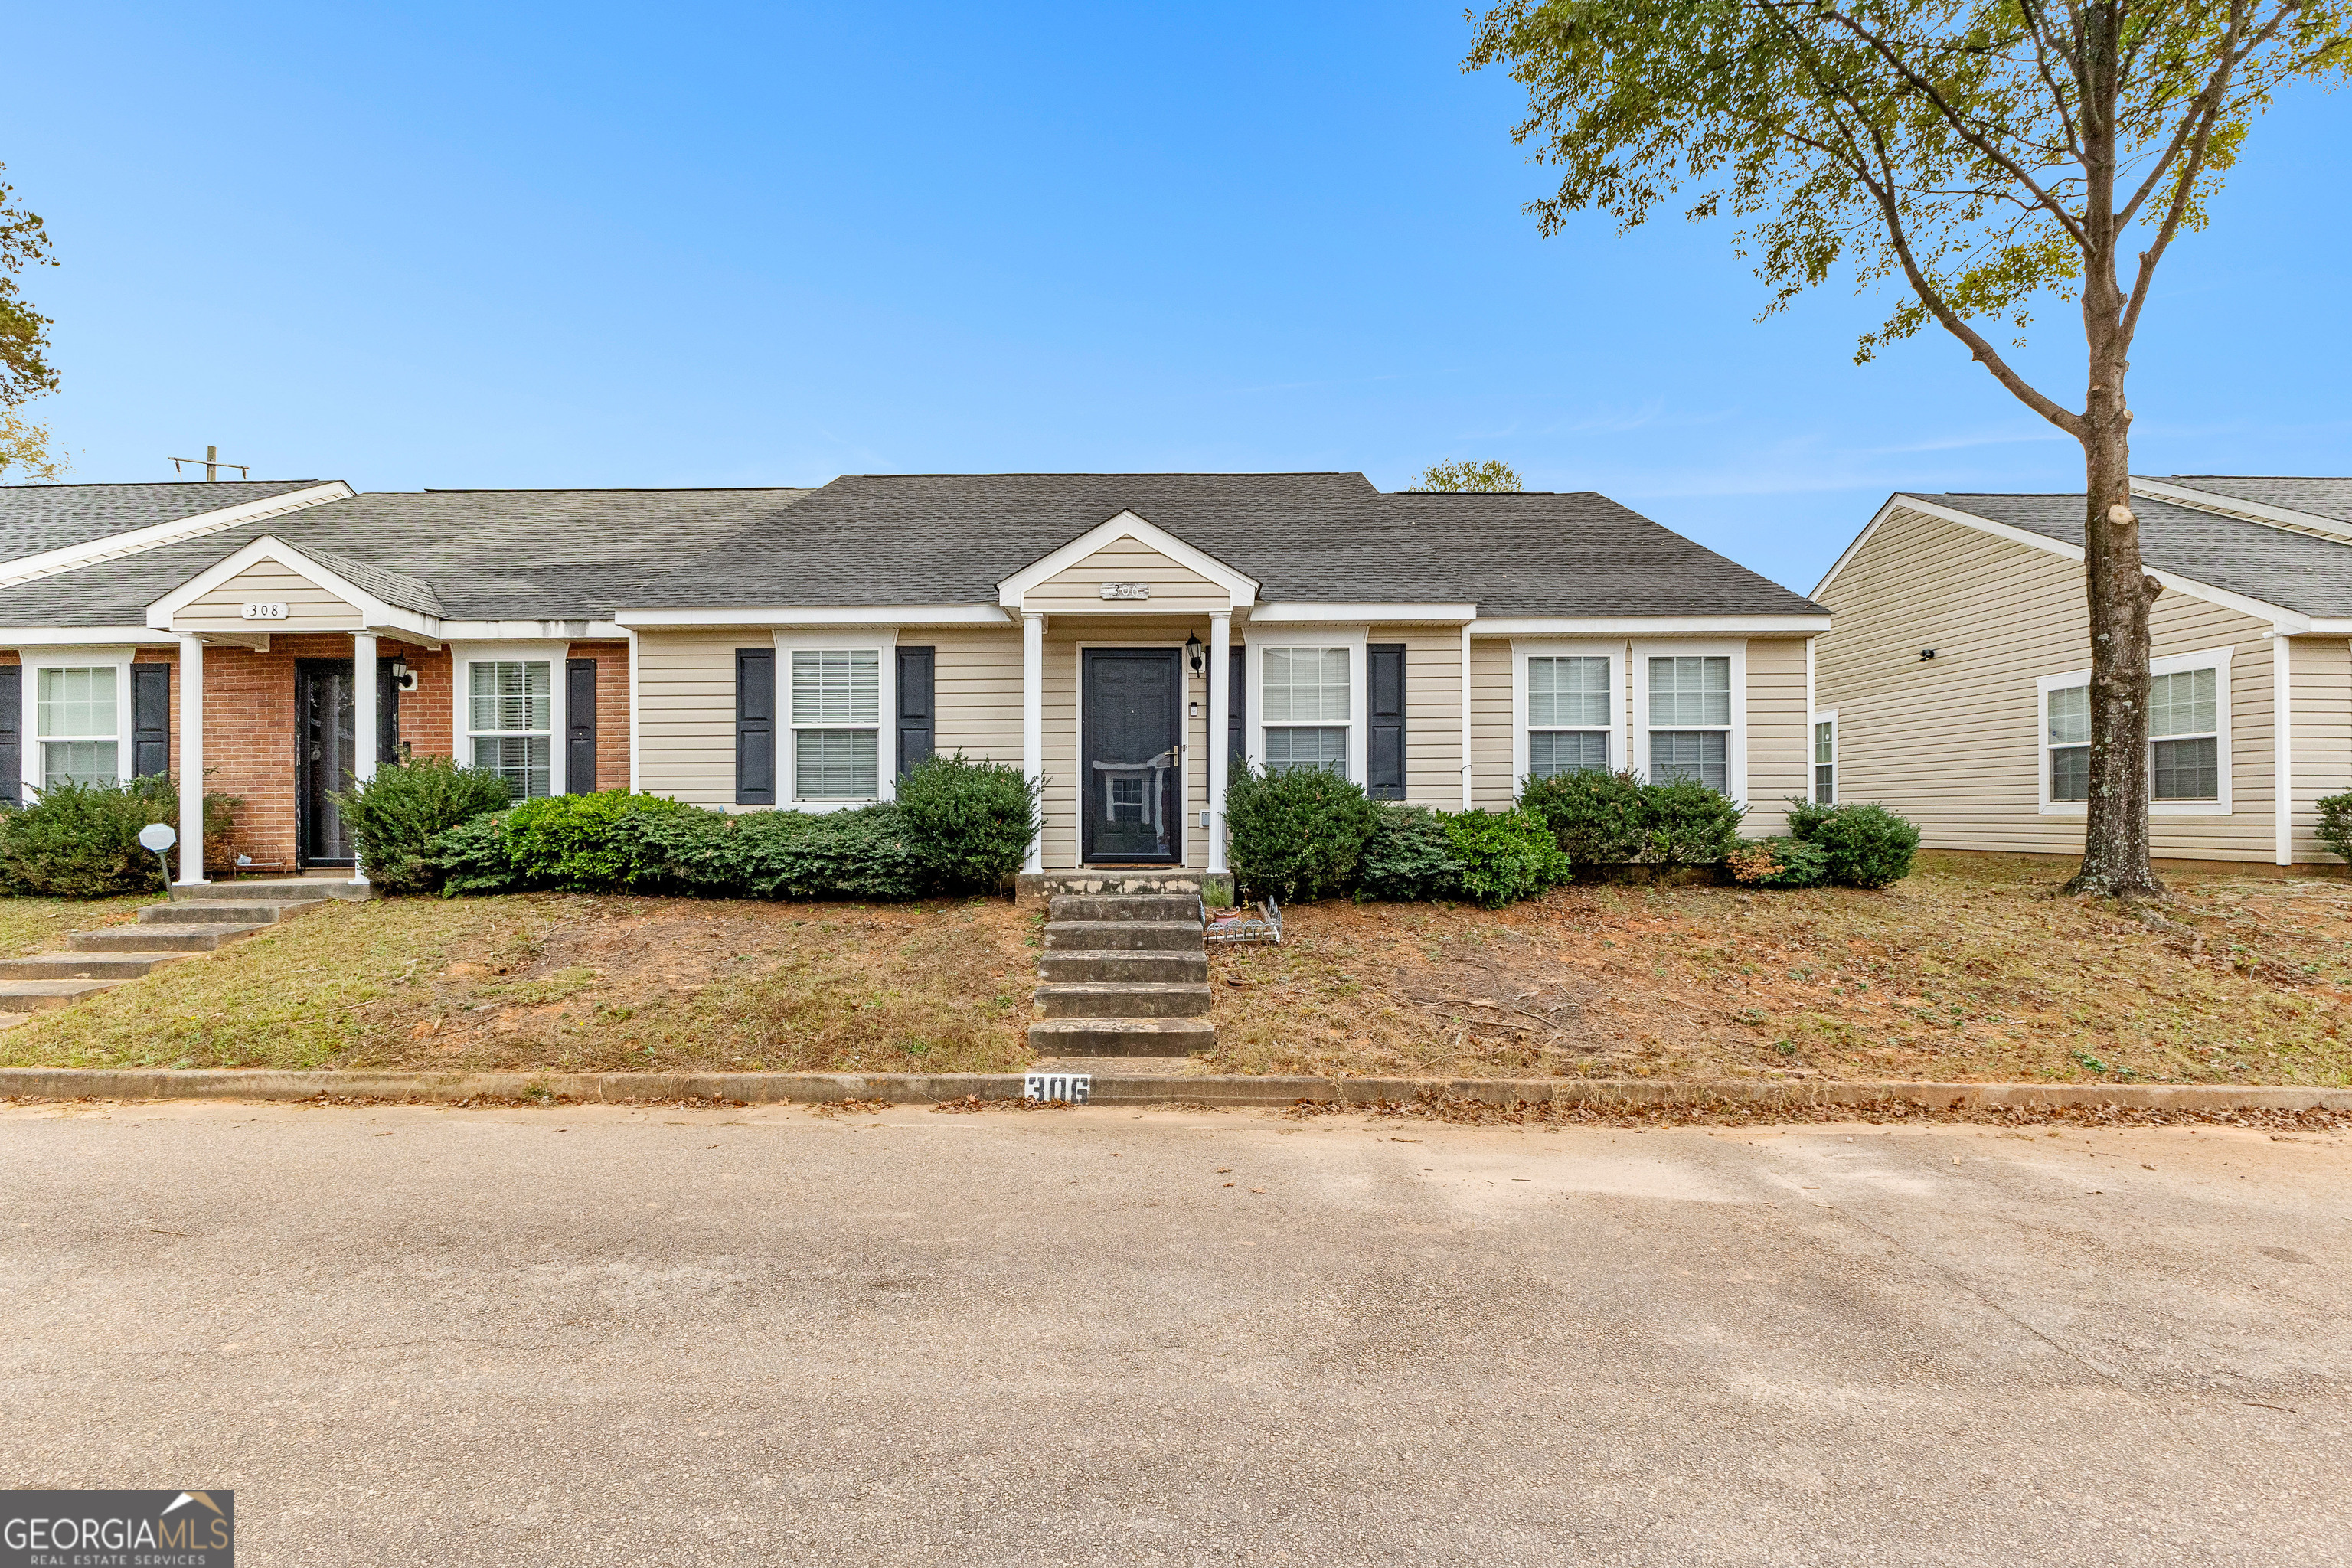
611 710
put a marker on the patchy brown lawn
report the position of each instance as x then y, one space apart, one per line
1973 968
587 983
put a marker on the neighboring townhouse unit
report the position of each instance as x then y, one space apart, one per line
1954 684
800 650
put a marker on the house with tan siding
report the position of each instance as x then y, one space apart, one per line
1128 640
1954 684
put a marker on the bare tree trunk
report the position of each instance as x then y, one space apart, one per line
2114 833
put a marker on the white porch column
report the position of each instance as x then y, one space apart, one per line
191 762
363 720
2282 746
1220 705
1033 724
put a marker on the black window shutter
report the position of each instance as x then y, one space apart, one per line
151 719
755 726
580 726
1236 733
918 722
12 733
1384 668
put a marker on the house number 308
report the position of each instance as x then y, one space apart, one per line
268 610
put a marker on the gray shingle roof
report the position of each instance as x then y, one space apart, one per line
2319 497
1331 538
464 554
2295 571
39 517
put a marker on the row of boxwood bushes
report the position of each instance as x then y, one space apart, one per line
430 825
1304 835
81 841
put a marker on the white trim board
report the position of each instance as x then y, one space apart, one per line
1650 625
1370 613
2261 610
65 558
1242 590
815 616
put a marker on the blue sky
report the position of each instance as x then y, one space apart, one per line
705 244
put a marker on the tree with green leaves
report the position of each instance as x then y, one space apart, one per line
24 369
1978 155
1468 476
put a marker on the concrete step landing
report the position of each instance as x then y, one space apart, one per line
1065 1037
221 911
85 965
1078 965
39 996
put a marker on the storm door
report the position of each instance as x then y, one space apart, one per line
1131 770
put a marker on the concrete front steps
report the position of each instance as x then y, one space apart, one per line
195 919
1124 973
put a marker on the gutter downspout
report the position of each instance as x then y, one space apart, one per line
2282 746
1466 717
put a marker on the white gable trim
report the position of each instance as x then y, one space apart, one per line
2242 510
2290 620
1012 592
372 611
49 562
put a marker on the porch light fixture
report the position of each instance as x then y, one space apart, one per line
1196 658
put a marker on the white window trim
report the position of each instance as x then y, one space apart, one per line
463 656
1354 639
1522 748
2215 659
1837 774
29 732
881 640
1638 671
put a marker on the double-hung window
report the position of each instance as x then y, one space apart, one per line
2184 747
1305 703
836 715
1825 761
1568 714
77 714
511 722
1690 720
2067 734
2188 735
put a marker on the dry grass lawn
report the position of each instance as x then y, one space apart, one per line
586 983
1973 968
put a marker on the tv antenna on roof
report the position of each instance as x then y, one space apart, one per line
213 464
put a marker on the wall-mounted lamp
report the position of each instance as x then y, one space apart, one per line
1196 656
1925 654
403 678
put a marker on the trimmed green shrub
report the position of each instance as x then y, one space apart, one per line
471 858
1686 824
2336 824
968 823
1409 856
1866 845
394 816
1779 863
1505 856
1298 834
574 842
81 841
1596 818
689 850
858 854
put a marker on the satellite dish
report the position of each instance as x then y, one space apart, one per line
157 837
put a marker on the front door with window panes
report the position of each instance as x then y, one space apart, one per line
1690 720
511 722
1131 776
326 750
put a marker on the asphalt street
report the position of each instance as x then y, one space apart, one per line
642 1335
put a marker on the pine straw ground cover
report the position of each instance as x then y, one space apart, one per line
571 983
1972 969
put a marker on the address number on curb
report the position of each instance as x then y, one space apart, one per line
1072 1088
266 610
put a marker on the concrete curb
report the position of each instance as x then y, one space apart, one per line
1117 1089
